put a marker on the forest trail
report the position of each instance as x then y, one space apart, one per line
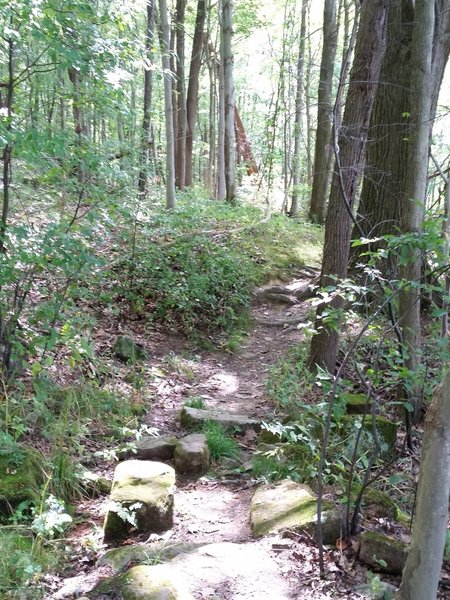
212 512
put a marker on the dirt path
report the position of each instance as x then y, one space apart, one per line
216 510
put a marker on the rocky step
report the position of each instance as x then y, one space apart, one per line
196 417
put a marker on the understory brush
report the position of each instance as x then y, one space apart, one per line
219 443
194 268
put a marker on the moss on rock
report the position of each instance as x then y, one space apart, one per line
19 481
152 583
291 505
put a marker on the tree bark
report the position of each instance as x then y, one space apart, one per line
350 142
168 108
148 88
414 197
322 150
296 159
228 84
180 154
193 86
386 176
422 571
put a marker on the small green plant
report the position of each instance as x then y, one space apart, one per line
126 513
219 443
51 519
196 402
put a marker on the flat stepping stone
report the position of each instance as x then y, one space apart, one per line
141 497
290 505
155 448
192 417
192 454
243 570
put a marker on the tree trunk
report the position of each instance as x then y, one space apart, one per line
193 86
148 85
221 190
180 154
296 159
351 141
386 168
228 84
414 197
423 566
168 108
7 149
321 177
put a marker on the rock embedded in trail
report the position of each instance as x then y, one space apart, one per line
149 486
153 583
192 454
192 417
292 505
155 448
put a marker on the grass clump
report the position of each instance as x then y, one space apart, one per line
23 559
219 443
196 402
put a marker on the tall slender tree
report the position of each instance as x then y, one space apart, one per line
168 108
193 86
148 88
228 92
322 150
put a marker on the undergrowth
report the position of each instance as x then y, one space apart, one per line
194 268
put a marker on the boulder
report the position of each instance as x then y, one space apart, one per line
292 505
197 417
356 404
142 490
127 350
380 505
383 552
386 430
155 448
192 454
19 480
157 582
95 484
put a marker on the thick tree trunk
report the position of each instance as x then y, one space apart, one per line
298 133
386 168
168 108
322 151
423 566
193 86
228 84
148 85
351 141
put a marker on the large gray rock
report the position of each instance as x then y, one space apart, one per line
383 552
126 349
95 484
121 558
290 505
192 417
155 448
192 454
147 487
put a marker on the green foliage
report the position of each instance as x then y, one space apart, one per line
196 402
219 443
23 560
